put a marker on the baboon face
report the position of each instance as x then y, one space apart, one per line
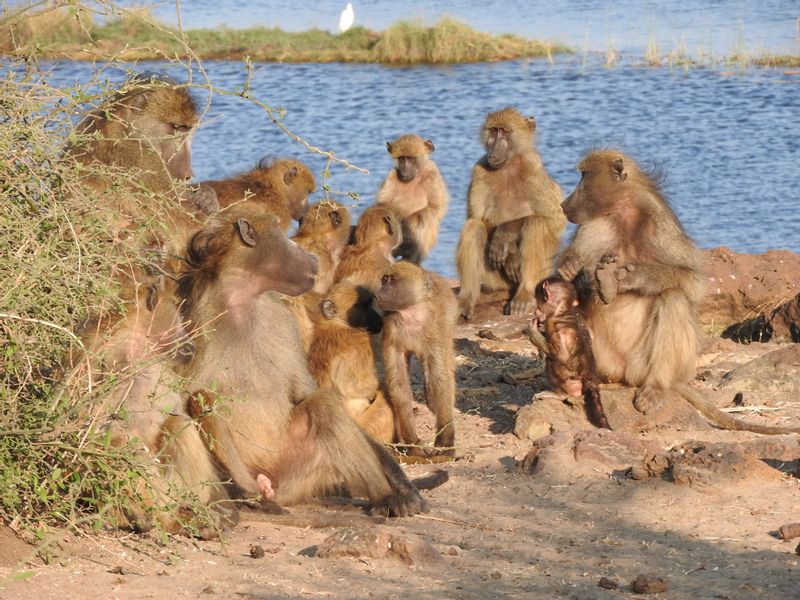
273 260
594 196
299 184
402 286
409 152
554 297
498 141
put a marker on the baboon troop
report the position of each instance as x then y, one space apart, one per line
246 363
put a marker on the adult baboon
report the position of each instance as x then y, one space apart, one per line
639 282
341 356
282 437
280 186
415 190
514 222
420 313
570 366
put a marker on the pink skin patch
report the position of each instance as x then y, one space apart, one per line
573 387
265 487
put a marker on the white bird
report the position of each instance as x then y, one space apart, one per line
346 18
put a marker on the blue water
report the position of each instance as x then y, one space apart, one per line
729 139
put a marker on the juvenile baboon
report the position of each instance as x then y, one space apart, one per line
282 437
281 186
341 357
324 231
376 234
415 190
570 366
639 283
514 222
420 313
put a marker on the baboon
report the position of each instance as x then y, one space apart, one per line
376 235
416 191
639 283
282 437
147 125
514 222
128 362
420 313
281 186
341 357
324 231
570 366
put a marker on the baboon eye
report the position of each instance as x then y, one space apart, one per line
385 279
180 128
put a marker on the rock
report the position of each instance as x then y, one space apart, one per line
777 371
649 584
782 324
380 542
744 286
790 531
704 466
571 453
531 426
608 584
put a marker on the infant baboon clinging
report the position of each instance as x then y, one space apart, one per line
570 366
282 437
416 191
514 222
280 186
420 313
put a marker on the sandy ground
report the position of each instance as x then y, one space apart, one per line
501 530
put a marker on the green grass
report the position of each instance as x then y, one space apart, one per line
136 35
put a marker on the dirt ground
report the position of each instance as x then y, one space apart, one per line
553 529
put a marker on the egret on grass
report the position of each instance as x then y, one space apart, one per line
346 18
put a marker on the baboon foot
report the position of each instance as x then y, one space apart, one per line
647 399
606 278
402 503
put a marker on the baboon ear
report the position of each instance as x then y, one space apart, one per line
152 298
618 168
265 162
328 308
247 232
336 219
546 292
389 228
389 147
429 146
289 176
531 122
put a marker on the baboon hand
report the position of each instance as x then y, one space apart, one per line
570 268
402 503
466 309
500 246
512 268
606 277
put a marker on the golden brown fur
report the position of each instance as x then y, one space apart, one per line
280 428
341 357
416 191
377 234
324 232
420 313
514 222
281 187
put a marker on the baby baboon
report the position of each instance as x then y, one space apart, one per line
570 367
341 357
282 437
376 234
420 313
416 192
514 222
324 231
280 186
